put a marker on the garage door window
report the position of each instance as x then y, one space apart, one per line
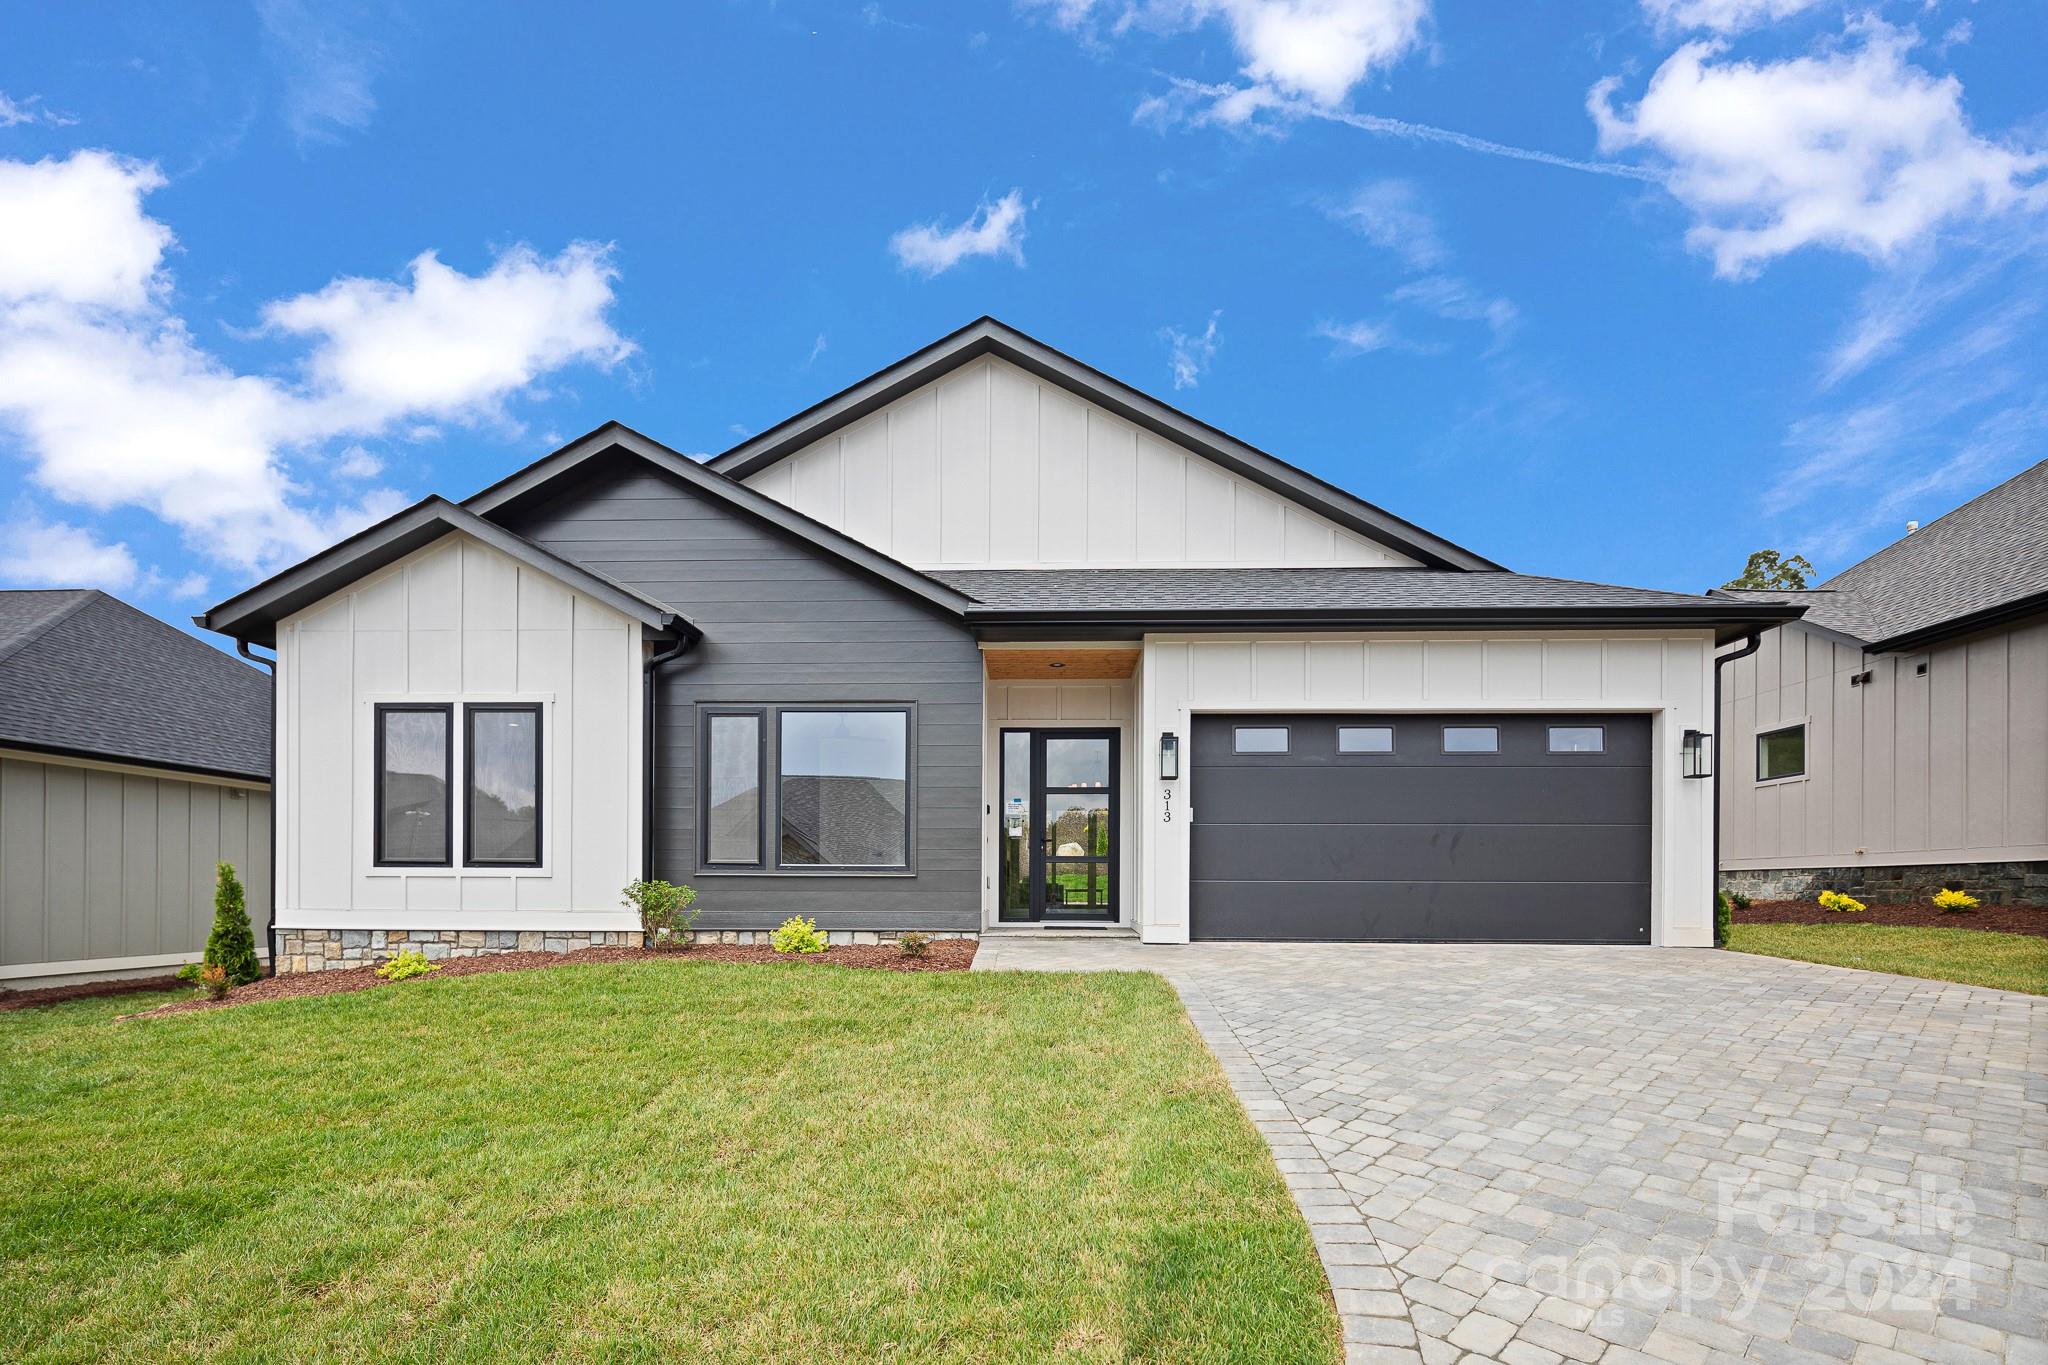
1365 739
1260 739
1471 739
1578 739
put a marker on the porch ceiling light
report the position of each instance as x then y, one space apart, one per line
1169 756
1696 754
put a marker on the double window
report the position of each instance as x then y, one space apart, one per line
416 807
806 788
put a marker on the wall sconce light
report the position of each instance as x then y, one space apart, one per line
1169 756
1696 754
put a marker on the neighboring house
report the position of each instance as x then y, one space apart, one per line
908 648
133 758
1895 739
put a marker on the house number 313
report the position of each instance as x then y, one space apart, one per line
1167 818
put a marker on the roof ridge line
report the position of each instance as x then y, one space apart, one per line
85 596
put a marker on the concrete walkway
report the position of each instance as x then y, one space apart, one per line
1620 1155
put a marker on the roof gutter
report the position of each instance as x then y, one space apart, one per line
1735 620
270 919
1963 625
1750 645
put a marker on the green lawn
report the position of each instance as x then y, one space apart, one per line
2012 962
645 1161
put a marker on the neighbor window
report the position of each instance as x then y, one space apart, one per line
732 789
413 758
1365 739
1259 739
501 805
1471 739
1781 753
1578 739
843 789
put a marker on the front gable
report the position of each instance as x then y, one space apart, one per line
991 467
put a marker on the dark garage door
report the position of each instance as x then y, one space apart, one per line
1396 828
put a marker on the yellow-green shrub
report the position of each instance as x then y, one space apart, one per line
1954 900
798 935
1835 900
405 963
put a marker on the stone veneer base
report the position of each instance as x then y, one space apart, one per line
1993 883
323 950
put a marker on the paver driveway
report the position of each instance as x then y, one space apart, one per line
1535 1155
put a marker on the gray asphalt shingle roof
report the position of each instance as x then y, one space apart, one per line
1332 589
86 673
1991 551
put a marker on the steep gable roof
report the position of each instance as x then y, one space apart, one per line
86 674
987 336
1984 562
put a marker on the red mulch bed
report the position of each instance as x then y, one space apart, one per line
944 955
2004 919
84 990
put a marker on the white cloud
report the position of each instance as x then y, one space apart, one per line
1359 338
113 401
14 113
327 69
76 232
1455 300
357 463
1854 149
1316 50
991 230
1389 214
58 555
1190 355
1722 16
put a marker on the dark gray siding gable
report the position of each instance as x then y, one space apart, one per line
785 623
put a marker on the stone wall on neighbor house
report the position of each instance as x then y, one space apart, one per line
1993 883
321 950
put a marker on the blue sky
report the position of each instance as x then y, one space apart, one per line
1617 291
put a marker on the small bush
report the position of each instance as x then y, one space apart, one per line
232 944
1835 900
798 935
1740 900
1722 900
1954 902
213 979
665 913
406 963
913 944
189 973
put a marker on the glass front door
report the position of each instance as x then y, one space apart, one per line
1057 825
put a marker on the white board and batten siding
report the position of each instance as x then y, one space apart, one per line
1669 678
990 467
459 622
108 869
1950 766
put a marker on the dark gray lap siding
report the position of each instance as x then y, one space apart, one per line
786 623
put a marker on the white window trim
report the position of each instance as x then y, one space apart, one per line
1804 724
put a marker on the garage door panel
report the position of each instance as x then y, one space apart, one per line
1520 845
1424 912
1496 795
1451 853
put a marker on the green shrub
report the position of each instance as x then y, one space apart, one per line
1723 903
232 944
665 913
213 979
798 935
1835 900
1740 900
407 962
911 943
1954 902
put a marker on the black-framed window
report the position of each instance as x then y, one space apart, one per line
1578 739
1471 739
843 787
501 784
1258 739
735 754
413 761
1365 739
1781 753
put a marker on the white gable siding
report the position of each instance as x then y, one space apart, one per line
458 622
990 468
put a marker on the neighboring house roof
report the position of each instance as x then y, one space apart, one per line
85 674
986 336
1362 596
855 821
1983 563
253 615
